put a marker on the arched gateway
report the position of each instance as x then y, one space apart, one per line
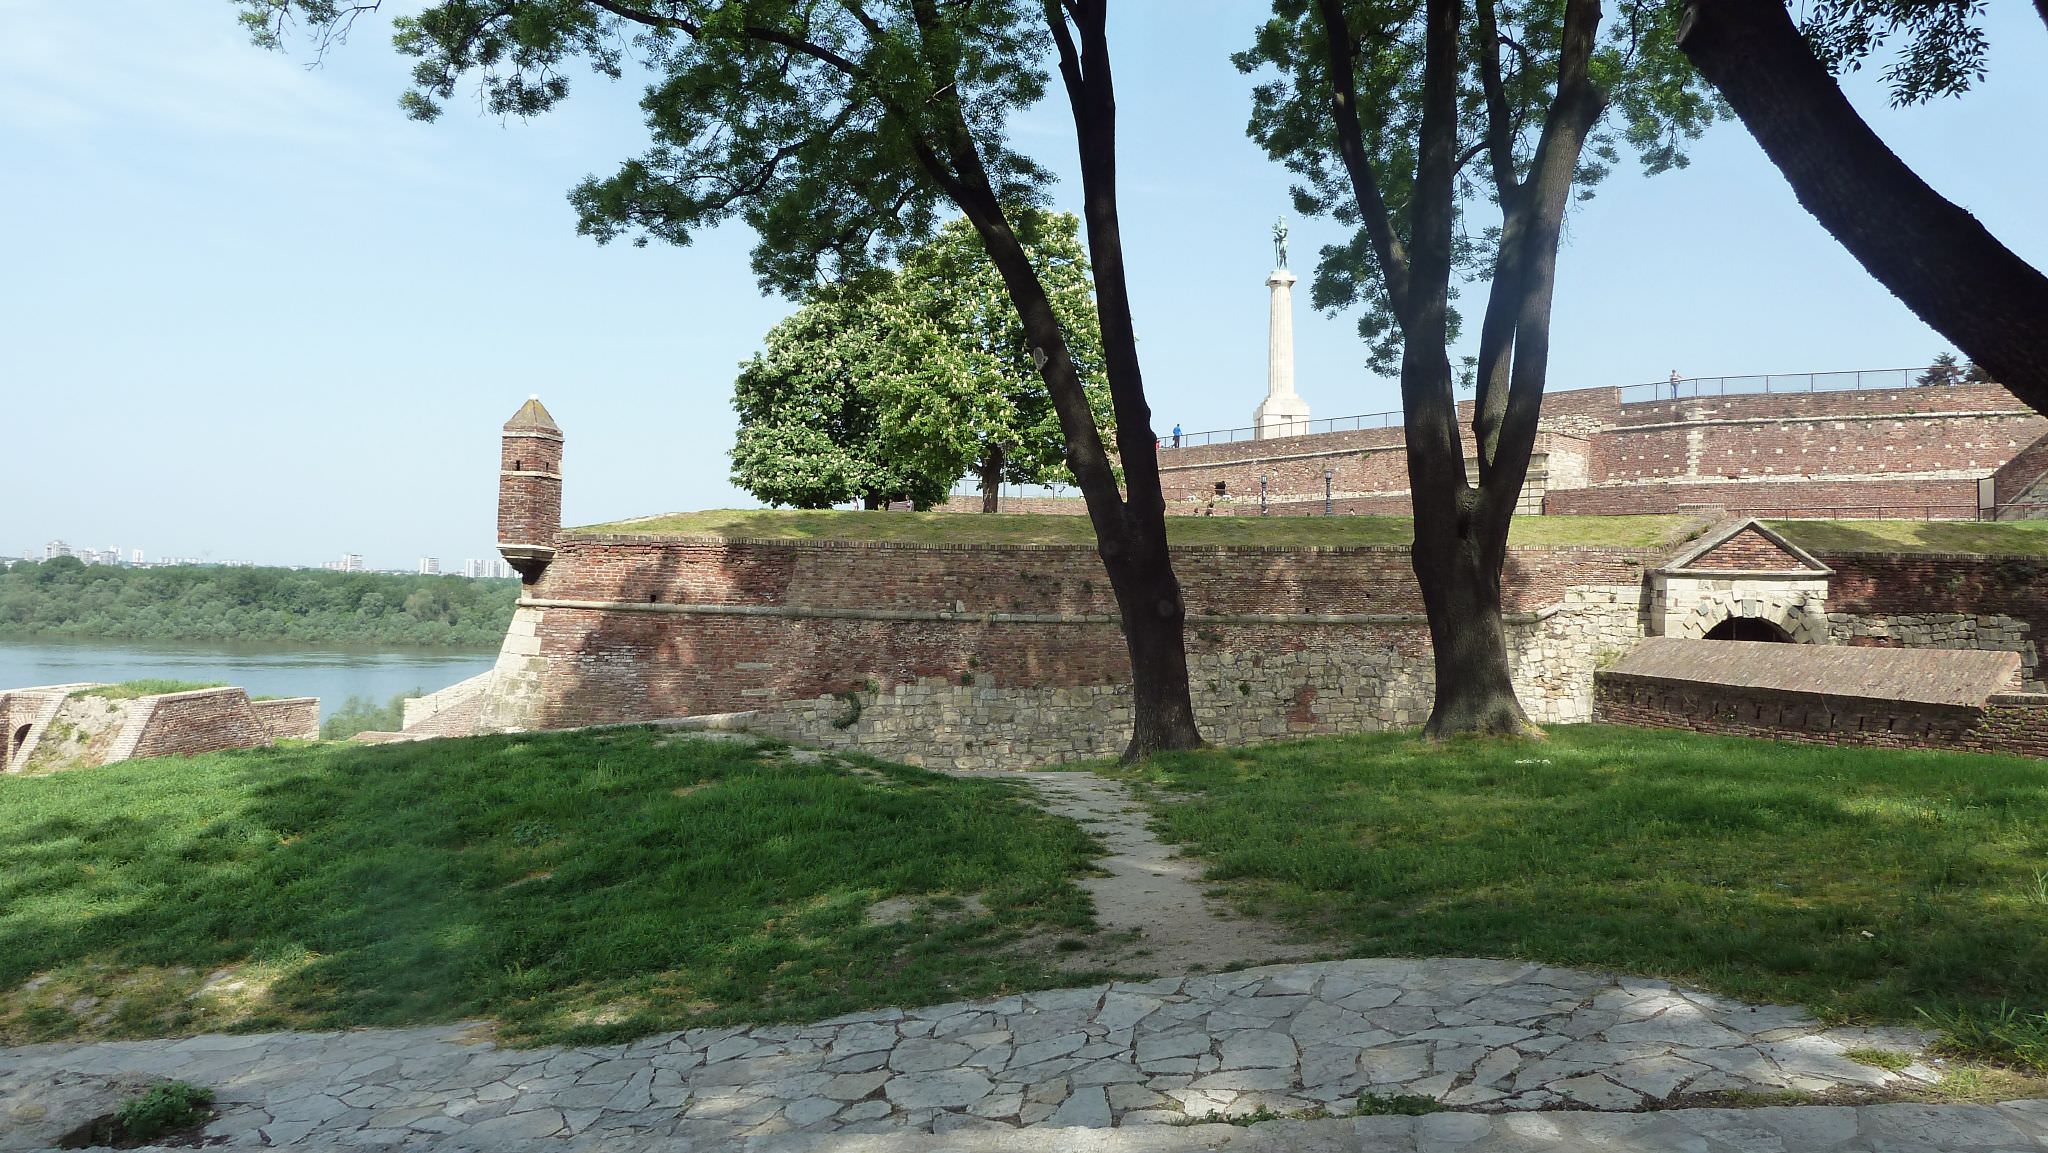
1742 582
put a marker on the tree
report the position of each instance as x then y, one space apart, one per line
810 419
1403 118
971 400
1932 254
1942 373
836 129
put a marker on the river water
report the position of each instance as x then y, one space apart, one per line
265 669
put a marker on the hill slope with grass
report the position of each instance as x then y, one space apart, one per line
572 886
1869 884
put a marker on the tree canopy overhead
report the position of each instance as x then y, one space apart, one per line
836 129
1452 137
894 387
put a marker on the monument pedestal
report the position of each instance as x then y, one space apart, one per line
1283 412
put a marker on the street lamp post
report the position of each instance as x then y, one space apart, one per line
1329 478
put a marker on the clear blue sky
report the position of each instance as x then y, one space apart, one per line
249 310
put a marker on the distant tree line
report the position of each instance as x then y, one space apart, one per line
1946 370
65 597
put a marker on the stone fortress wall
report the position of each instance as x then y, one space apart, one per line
1010 655
1911 452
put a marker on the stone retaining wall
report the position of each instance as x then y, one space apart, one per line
2012 724
290 718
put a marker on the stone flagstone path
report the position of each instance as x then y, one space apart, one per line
1486 1035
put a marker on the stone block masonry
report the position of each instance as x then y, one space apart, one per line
289 718
1011 655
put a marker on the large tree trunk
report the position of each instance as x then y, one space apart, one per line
1931 254
1130 532
991 471
1139 564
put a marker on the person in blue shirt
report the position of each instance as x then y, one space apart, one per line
1176 436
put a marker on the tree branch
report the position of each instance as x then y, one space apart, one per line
1933 255
1342 55
1500 142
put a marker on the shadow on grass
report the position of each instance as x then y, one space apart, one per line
1863 883
573 886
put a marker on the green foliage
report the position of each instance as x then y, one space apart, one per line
359 714
895 386
163 1109
573 886
2000 1033
1944 47
1865 883
62 597
1943 372
1395 1105
808 434
1655 104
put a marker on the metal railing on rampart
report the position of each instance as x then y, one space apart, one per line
1680 389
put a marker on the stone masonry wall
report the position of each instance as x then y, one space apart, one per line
2014 724
1249 686
289 718
1013 654
1941 601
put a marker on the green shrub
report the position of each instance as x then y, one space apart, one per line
164 1109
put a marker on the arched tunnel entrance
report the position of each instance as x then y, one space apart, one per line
1748 629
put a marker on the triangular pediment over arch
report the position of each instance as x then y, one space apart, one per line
1745 548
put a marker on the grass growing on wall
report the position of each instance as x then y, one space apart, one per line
147 687
1865 883
1029 528
573 886
1970 537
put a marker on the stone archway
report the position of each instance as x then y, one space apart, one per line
1748 629
15 744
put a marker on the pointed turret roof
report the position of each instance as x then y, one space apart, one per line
531 417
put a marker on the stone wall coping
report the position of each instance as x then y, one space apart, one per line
1818 576
1950 678
576 536
2025 700
822 612
284 701
195 694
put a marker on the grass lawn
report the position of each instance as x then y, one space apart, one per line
1866 884
1031 528
572 886
1969 537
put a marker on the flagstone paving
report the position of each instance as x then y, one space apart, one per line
1493 1036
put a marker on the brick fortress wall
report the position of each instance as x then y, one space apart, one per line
1005 655
1911 452
1941 601
2014 724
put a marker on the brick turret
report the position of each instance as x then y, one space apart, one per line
530 489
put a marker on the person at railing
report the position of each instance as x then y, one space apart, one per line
1176 434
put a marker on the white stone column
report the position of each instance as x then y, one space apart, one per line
1283 407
